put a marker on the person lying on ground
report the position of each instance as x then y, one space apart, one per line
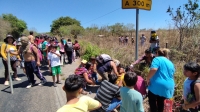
73 88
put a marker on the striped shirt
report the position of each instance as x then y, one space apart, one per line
106 92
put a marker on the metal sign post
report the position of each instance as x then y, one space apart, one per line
9 73
137 4
136 40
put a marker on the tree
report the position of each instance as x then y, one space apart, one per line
117 29
129 28
63 21
18 26
185 19
71 30
5 28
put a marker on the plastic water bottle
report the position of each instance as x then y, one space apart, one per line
168 104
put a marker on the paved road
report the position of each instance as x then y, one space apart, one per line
36 99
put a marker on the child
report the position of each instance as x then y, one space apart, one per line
120 78
94 69
140 86
132 100
191 87
108 94
54 63
73 87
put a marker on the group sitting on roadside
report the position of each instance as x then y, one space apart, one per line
119 88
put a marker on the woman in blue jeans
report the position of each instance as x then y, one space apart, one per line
160 80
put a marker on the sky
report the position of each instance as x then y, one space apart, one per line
39 14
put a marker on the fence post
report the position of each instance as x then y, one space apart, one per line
9 73
166 45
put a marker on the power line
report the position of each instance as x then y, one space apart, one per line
102 15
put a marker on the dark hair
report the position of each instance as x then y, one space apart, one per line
130 78
88 65
73 83
112 78
31 32
121 66
193 67
76 41
69 40
147 51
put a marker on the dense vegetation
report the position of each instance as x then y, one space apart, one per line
182 37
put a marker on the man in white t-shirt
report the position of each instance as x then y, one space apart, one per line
54 64
143 40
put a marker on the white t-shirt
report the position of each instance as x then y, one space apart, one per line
143 39
153 45
54 59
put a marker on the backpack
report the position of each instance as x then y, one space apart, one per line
69 46
192 89
76 46
39 52
4 50
103 58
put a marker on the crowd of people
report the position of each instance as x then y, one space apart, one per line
31 52
120 88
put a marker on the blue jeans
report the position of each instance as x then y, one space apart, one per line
113 104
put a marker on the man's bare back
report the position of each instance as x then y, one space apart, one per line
31 39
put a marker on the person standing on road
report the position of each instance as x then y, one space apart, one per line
45 48
31 38
9 47
69 50
32 62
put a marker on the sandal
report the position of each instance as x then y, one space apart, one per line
84 92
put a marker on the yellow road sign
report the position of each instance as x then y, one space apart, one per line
137 4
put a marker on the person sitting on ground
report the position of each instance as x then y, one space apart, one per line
108 94
140 86
105 66
32 62
9 47
132 100
54 64
94 69
73 88
120 80
147 57
191 87
84 73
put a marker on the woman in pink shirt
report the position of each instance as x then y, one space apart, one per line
62 51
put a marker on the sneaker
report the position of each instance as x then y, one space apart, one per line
29 86
54 84
18 79
58 82
42 82
6 83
